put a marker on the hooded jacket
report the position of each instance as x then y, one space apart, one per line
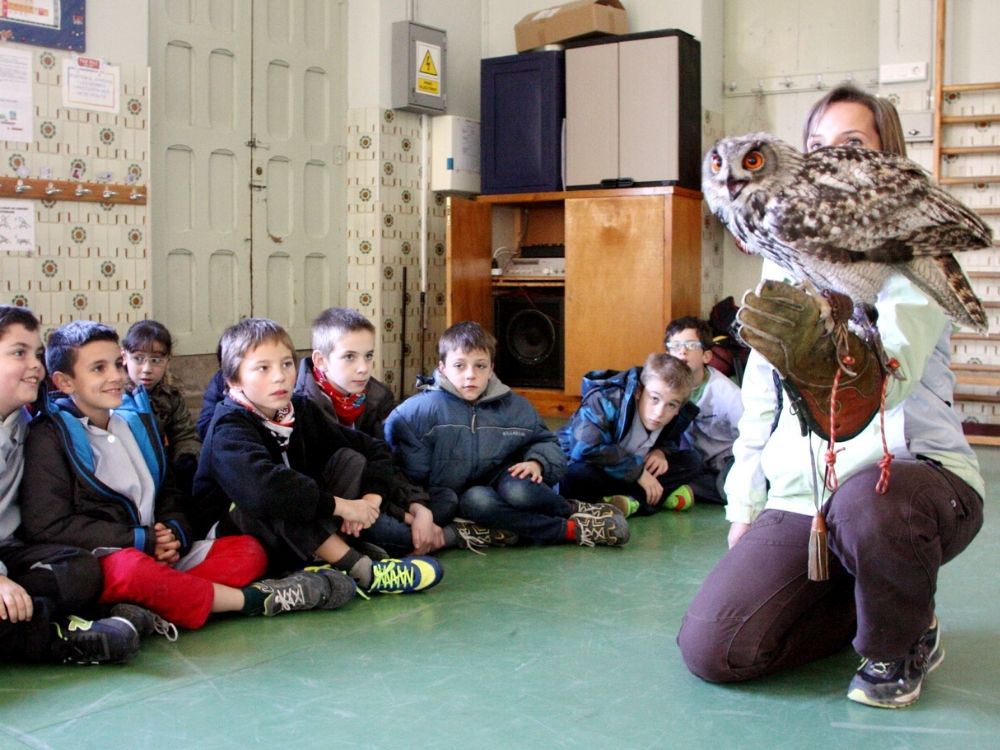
442 440
595 432
63 501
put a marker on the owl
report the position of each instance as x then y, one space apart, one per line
844 218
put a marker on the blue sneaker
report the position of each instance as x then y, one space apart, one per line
897 684
405 576
109 641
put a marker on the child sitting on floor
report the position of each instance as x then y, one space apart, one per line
274 467
720 405
42 584
96 477
623 441
147 348
469 438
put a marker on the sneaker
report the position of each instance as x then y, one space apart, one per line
473 537
144 621
597 510
405 576
680 499
305 589
107 641
626 504
342 586
611 531
896 684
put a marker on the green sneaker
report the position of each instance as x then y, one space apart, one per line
680 499
626 504
405 576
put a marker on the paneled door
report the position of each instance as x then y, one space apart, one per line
248 193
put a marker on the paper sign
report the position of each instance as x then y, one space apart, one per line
428 69
16 102
89 83
17 226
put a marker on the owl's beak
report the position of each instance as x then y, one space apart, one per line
735 187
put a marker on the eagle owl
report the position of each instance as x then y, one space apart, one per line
844 218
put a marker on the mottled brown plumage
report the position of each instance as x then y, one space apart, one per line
844 218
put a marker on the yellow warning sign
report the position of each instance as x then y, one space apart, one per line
428 75
427 67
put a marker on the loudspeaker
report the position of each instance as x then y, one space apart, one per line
529 331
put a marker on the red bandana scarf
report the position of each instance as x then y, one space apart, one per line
348 406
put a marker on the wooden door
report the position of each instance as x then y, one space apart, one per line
616 276
467 271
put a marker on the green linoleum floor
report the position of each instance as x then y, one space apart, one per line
525 648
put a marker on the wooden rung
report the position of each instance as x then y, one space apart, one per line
968 119
975 367
957 88
987 211
980 180
979 398
983 439
964 150
983 274
966 336
977 380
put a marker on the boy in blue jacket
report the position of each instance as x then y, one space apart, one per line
469 438
623 441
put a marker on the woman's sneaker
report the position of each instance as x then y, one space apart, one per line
896 684
144 621
108 641
405 576
610 531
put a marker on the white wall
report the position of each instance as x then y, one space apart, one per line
118 31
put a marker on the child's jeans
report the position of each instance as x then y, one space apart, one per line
535 512
183 597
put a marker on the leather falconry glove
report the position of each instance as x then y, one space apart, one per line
804 336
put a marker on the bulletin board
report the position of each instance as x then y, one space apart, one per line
83 173
59 24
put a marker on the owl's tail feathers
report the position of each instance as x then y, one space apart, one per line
943 279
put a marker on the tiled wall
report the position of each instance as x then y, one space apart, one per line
90 260
383 243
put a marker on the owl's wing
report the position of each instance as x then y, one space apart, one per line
849 204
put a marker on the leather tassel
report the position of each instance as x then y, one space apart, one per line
819 561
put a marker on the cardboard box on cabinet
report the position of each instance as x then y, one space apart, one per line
573 20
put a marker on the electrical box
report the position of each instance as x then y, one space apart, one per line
419 55
455 154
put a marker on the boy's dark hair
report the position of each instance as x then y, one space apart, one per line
671 370
245 336
464 337
63 343
142 335
333 323
701 327
11 315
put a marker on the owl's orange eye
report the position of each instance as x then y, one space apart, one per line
753 161
716 163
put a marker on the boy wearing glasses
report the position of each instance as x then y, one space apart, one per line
719 401
146 350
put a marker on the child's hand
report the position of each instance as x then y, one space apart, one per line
167 545
652 487
656 462
527 470
15 602
427 535
356 514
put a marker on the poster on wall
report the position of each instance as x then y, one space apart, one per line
17 226
89 83
47 23
15 96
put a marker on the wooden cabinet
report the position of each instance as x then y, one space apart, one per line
633 263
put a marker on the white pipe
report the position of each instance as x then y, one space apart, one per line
424 190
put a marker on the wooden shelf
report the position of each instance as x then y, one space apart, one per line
958 88
982 439
559 197
508 282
